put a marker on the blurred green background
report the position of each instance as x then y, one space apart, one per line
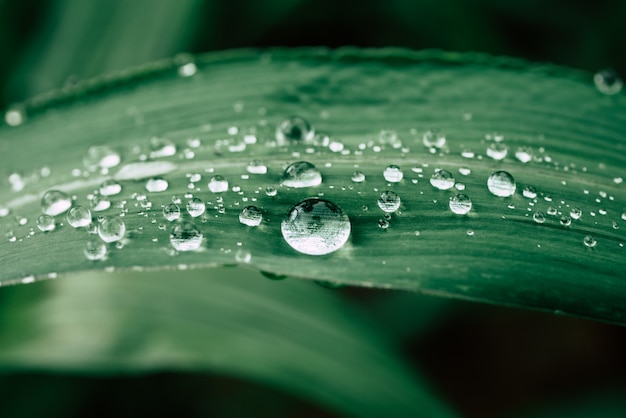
484 361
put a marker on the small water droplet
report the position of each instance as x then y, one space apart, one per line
95 249
358 177
101 156
501 184
185 237
608 82
55 202
497 151
256 167
78 217
551 210
316 227
111 229
271 191
100 203
251 216
171 212
442 180
383 223
470 232
195 207
576 213
523 154
14 117
161 147
45 223
301 174
539 217
566 220
389 201
335 146
157 185
110 188
187 70
243 256
460 204
393 174
434 139
529 192
465 171
218 184
294 128
589 241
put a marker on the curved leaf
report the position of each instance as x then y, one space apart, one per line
497 253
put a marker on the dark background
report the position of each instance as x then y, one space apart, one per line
487 361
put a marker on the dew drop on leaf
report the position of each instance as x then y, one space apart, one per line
111 229
256 167
389 201
460 204
576 213
218 184
529 192
442 180
110 188
195 207
539 217
434 139
45 223
393 174
55 202
501 184
243 256
294 128
589 241
185 237
161 147
95 249
301 174
608 82
101 156
251 216
358 177
316 227
171 212
157 185
79 217
497 151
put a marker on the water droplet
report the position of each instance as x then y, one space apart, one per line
294 128
501 184
218 184
100 203
316 227
465 171
243 256
529 192
171 212
434 139
589 241
551 210
161 147
187 70
95 249
393 174
55 202
14 117
45 223
138 171
110 188
301 174
470 232
497 151
157 185
460 204
256 167
195 207
539 217
624 216
185 237
389 201
576 213
79 217
608 82
523 155
358 177
251 216
271 191
566 220
383 223
442 180
111 229
101 156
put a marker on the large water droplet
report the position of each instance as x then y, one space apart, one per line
389 201
185 237
497 151
393 174
460 204
111 229
45 223
251 216
79 217
442 180
195 207
110 188
501 184
218 184
95 249
608 82
301 174
294 128
101 156
55 202
157 185
316 227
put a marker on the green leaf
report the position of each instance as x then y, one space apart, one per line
496 254
301 338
